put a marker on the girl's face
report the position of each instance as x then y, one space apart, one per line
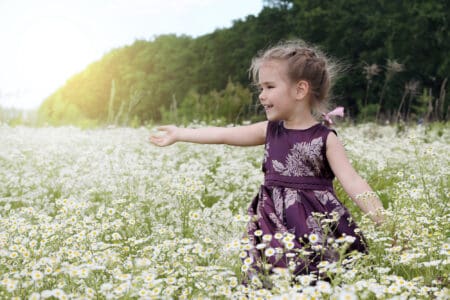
277 91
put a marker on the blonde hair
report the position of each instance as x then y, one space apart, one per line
304 62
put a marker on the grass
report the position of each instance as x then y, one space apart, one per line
101 214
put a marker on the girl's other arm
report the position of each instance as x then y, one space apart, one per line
248 135
356 187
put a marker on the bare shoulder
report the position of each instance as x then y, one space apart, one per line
335 150
333 140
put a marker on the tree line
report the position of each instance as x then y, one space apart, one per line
395 57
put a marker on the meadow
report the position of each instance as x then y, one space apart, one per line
103 214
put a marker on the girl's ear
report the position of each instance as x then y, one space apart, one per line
302 89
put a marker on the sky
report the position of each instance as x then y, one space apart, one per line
43 43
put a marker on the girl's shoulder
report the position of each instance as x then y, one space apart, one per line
329 129
325 132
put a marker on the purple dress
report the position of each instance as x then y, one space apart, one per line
298 184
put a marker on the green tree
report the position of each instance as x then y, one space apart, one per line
172 71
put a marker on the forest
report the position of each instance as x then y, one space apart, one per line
394 58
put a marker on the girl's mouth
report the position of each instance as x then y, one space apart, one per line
267 106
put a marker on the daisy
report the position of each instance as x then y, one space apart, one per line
313 238
269 252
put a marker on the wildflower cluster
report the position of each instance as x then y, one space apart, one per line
102 214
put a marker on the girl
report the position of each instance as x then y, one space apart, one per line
301 158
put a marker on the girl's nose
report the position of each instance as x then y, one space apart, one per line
261 96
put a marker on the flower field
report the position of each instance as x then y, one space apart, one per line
103 214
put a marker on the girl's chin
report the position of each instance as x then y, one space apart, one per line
271 117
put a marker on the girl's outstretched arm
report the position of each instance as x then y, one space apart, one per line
356 187
248 135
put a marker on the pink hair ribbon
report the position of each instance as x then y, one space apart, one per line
338 111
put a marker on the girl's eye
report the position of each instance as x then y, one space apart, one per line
260 89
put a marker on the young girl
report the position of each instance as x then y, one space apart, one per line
301 158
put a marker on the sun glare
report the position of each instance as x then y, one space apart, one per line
51 50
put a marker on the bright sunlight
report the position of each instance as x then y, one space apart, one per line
51 50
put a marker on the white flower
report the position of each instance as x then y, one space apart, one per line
324 287
243 254
36 275
171 280
258 232
248 261
323 264
289 245
59 294
84 272
267 237
347 295
261 246
278 236
10 284
194 215
34 296
256 281
116 236
313 238
47 294
156 291
393 289
304 280
350 239
106 287
269 252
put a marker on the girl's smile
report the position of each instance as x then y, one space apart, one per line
267 107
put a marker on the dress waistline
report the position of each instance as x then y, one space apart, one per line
303 182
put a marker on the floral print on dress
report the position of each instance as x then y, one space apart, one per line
304 159
282 202
291 197
326 197
278 202
279 227
266 153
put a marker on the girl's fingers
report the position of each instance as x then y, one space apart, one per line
155 139
159 140
163 135
160 131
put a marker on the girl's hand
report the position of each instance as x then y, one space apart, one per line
166 139
377 218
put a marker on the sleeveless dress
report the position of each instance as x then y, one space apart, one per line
296 217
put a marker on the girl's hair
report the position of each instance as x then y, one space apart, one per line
304 62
